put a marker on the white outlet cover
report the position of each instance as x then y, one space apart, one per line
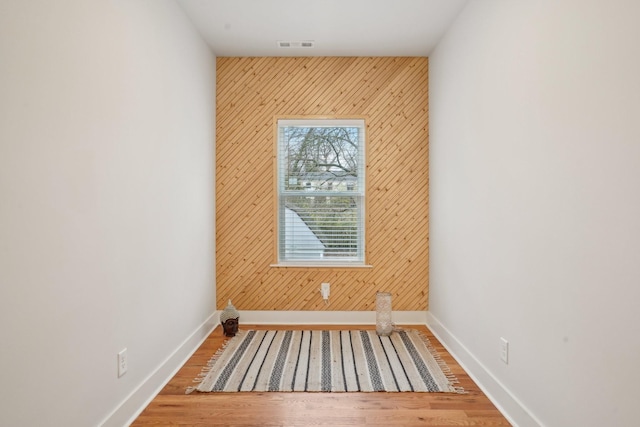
325 290
123 365
504 350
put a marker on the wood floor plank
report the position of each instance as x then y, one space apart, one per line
172 407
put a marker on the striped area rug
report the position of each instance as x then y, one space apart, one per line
327 361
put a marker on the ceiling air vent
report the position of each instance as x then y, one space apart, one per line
296 44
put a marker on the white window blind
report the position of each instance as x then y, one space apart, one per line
321 190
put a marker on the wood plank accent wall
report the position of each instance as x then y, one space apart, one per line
392 93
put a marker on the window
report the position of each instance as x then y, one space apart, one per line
321 190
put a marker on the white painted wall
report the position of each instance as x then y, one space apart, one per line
535 201
106 204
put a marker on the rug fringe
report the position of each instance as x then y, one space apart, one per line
451 377
207 368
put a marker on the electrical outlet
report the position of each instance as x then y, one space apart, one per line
504 350
123 363
325 290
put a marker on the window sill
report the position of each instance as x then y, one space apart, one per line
312 265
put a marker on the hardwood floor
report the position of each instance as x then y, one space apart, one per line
172 407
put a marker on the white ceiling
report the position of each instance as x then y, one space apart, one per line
338 27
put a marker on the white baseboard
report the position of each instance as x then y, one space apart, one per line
256 317
135 403
510 406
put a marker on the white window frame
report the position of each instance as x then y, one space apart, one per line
359 194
